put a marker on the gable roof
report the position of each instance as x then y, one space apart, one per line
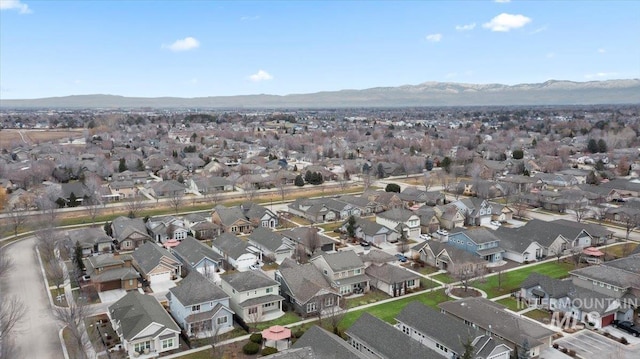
326 345
123 227
267 238
196 289
389 273
229 215
449 331
249 280
230 245
136 311
371 228
377 256
555 288
149 255
343 260
304 281
545 233
397 214
193 251
478 235
387 341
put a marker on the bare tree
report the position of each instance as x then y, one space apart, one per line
403 242
427 181
519 206
467 273
93 199
250 191
18 218
581 210
366 180
281 182
176 199
73 318
334 315
255 316
630 222
313 242
5 263
135 204
56 273
576 255
11 312
47 238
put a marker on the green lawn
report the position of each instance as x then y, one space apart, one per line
388 311
511 280
287 318
539 315
426 270
427 283
512 304
203 354
371 297
620 250
329 227
444 278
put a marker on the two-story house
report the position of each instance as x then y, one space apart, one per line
200 307
479 241
232 220
236 252
309 239
306 290
197 256
259 216
144 327
129 233
111 271
253 296
476 211
273 245
372 232
401 220
344 270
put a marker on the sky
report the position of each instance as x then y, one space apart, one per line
224 48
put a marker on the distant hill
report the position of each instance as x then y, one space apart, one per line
425 94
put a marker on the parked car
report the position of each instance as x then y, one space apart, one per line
254 267
365 244
495 223
401 257
628 327
425 237
86 277
442 232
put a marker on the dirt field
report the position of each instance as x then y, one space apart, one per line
12 137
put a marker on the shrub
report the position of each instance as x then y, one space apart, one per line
555 346
256 338
298 333
268 351
624 341
251 348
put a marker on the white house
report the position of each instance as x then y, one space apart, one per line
401 220
235 251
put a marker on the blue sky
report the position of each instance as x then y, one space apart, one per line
211 48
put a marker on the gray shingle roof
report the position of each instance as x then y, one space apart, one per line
543 232
377 256
266 238
449 331
390 273
343 260
371 228
477 234
193 251
231 245
249 280
326 345
123 227
196 289
229 216
555 288
148 256
137 311
620 277
387 341
304 281
397 214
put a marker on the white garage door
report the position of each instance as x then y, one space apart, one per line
162 277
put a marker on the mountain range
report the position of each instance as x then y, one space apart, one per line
426 94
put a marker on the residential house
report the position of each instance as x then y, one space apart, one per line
200 307
392 279
556 180
401 220
156 264
479 241
363 204
316 342
518 248
166 189
308 240
344 270
377 339
123 189
259 216
144 327
210 185
377 257
253 296
494 320
449 336
476 211
231 220
74 191
429 222
129 233
165 228
386 200
237 253
306 290
91 240
273 245
450 216
412 196
111 271
445 256
372 232
197 256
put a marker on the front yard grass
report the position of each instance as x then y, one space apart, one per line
619 250
203 354
511 280
55 292
427 283
426 270
299 220
539 315
372 296
287 318
444 278
388 311
330 227
511 303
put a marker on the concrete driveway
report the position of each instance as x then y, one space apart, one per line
588 344
37 335
110 296
163 286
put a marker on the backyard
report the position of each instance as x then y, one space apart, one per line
510 281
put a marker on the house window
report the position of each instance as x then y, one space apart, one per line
269 290
357 271
411 282
267 305
234 229
195 308
311 307
328 301
167 343
222 320
140 347
130 281
253 310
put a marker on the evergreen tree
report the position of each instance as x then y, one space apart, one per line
428 164
78 257
307 177
518 154
299 181
140 165
380 170
351 226
446 164
392 187
469 350
107 229
73 200
602 146
122 166
592 146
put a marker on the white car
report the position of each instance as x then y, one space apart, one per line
495 223
254 267
425 237
442 232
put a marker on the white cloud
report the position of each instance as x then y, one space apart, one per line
186 44
261 75
15 5
466 27
601 51
434 37
506 22
600 75
502 1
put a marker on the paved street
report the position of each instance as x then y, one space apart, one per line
37 335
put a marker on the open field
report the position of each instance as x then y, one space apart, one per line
12 137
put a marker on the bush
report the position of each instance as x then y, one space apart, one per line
624 341
251 348
298 333
268 351
555 346
256 338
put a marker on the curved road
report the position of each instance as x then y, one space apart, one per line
37 333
